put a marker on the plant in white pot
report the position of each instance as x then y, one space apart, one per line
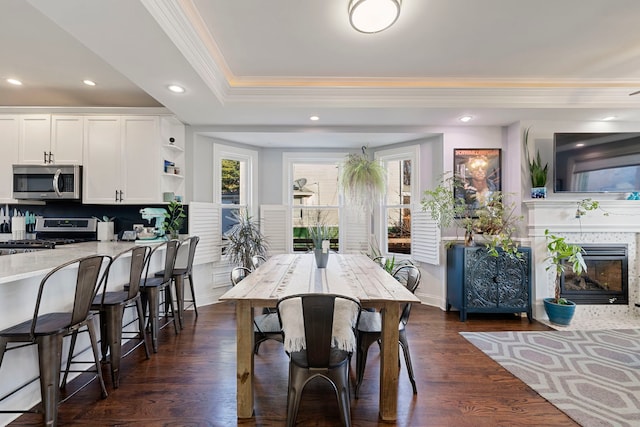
560 255
537 172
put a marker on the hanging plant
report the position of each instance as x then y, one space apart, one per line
363 181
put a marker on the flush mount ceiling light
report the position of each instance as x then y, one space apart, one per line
465 119
176 88
373 16
15 82
314 118
89 82
609 118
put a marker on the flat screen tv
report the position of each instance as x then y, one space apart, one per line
597 162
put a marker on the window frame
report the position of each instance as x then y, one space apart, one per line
288 161
412 153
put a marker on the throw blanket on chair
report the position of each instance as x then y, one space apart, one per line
345 316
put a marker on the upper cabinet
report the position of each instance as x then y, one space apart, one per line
50 139
9 136
121 162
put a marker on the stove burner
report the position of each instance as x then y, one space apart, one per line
32 243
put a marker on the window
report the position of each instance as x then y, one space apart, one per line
312 195
235 177
402 193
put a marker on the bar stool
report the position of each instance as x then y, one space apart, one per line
112 304
153 285
179 276
47 330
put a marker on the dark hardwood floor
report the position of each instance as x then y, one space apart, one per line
191 381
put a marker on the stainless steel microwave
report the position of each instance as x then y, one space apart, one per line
47 182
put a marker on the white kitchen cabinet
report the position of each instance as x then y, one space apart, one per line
121 157
9 136
50 139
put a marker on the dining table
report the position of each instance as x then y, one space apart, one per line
352 275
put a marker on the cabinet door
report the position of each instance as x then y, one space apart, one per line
102 166
66 139
9 136
35 138
141 160
480 268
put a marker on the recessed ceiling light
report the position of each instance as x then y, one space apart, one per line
314 118
465 119
176 88
14 82
608 118
580 144
89 82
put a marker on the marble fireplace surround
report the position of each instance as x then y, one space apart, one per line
620 226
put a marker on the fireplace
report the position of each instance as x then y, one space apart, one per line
606 278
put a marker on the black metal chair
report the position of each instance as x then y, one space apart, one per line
257 261
153 285
319 337
48 329
370 327
182 273
112 304
266 326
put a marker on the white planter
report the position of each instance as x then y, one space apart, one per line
105 231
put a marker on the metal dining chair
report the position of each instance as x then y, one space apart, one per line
48 329
316 350
266 325
370 327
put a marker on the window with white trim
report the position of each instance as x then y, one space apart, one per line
235 180
402 193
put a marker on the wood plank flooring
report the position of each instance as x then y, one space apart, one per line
191 381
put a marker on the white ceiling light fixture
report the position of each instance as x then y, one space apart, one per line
314 118
14 82
609 118
176 88
465 119
373 16
89 82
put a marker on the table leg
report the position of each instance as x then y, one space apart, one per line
244 379
389 362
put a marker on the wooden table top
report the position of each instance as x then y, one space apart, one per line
351 275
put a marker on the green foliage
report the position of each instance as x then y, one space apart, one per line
230 176
562 253
537 172
174 217
363 181
496 218
317 234
587 205
105 218
244 239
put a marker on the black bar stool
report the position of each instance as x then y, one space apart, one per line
112 304
180 274
47 330
153 285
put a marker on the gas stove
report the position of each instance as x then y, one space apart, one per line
52 232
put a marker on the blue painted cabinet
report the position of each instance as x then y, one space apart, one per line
480 283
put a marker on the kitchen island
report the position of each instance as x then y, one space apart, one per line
20 276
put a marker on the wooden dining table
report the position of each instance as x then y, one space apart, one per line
352 275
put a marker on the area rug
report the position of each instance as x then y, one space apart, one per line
592 376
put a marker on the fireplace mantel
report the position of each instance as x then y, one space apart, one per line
615 222
559 215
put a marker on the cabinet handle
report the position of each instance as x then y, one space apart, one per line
50 157
121 195
45 157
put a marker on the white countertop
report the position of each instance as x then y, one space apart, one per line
21 266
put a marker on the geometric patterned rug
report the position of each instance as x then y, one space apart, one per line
592 376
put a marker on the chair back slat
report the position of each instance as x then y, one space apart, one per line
139 258
317 312
409 276
192 242
171 252
239 273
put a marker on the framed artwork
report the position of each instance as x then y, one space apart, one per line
478 175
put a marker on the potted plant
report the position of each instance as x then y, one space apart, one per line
173 219
320 236
495 219
561 254
244 239
537 172
363 181
105 228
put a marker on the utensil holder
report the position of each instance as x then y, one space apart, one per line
105 231
18 228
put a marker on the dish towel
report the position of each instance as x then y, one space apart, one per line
345 315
